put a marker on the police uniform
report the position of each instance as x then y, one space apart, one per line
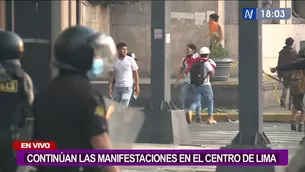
16 96
68 111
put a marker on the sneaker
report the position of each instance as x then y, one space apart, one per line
302 141
301 127
211 120
289 106
189 115
282 102
199 121
215 122
293 126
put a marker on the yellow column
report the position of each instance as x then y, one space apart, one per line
221 13
56 25
286 4
73 12
65 13
2 14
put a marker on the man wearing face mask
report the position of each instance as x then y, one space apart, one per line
68 111
185 68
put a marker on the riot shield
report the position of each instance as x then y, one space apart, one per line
297 163
124 124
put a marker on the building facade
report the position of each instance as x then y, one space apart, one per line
190 25
40 22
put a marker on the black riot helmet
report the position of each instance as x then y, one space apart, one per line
11 46
77 46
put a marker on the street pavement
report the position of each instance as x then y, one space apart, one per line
205 136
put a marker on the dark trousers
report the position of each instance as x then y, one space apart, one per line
7 157
286 81
298 103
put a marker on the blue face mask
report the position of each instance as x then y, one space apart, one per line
97 68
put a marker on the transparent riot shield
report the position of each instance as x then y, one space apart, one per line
124 127
297 163
124 124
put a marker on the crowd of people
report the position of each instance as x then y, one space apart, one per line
71 113
196 68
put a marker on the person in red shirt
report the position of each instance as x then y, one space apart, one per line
204 90
184 71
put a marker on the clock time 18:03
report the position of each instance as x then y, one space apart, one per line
273 13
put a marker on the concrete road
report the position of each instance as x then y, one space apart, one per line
205 136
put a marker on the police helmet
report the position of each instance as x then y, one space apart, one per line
11 46
77 46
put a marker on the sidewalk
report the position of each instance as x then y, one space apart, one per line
205 136
271 114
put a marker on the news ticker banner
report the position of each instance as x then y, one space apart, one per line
152 157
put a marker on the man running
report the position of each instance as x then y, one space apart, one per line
185 70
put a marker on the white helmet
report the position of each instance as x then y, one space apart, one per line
204 50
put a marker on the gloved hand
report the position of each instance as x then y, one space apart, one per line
26 169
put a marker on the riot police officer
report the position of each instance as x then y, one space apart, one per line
68 111
16 96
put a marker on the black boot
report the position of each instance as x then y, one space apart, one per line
301 127
302 141
293 126
290 102
282 103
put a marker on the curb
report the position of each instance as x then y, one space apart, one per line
268 117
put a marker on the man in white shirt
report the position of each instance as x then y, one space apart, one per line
125 72
205 89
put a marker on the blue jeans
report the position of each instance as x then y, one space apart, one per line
207 92
122 95
186 89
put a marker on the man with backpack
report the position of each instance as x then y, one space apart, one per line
297 88
200 74
286 55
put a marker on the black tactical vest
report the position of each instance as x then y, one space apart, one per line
12 95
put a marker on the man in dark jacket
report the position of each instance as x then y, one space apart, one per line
291 66
296 65
286 56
